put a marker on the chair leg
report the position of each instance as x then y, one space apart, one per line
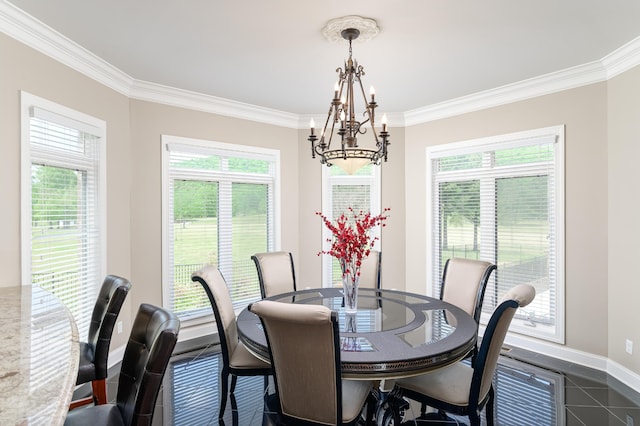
474 419
489 408
80 402
224 378
100 391
234 379
423 409
234 405
99 396
372 406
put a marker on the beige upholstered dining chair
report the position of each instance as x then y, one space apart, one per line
236 358
370 273
276 274
464 282
305 353
465 389
371 270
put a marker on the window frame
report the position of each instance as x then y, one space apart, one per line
511 140
274 215
328 181
29 105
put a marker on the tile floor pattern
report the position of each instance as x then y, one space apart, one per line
531 389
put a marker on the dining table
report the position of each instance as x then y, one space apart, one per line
392 334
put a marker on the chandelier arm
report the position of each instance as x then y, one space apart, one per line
333 127
369 108
323 144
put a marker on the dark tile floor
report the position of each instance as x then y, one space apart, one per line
531 389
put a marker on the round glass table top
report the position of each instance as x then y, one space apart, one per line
393 333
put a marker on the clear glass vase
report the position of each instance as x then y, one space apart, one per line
350 277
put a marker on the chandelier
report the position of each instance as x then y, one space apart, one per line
337 143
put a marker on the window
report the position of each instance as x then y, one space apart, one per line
361 191
63 187
218 208
501 199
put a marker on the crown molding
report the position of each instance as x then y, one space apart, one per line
538 86
157 93
23 27
622 59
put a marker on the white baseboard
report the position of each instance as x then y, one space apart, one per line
585 359
623 374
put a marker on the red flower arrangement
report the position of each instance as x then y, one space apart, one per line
351 242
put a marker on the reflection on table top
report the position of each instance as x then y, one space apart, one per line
38 357
393 334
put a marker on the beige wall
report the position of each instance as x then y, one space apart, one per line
599 300
624 214
583 112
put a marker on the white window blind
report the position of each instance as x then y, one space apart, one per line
220 210
360 191
500 200
63 237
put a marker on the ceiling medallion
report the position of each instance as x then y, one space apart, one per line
368 28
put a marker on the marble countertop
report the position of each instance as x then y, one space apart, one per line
39 354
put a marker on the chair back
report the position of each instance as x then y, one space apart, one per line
370 270
494 335
464 282
305 356
217 291
111 297
153 337
275 272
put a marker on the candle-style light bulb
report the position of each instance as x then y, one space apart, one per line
372 92
312 125
384 122
336 89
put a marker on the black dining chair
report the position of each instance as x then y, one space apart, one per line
236 358
94 353
303 342
276 273
464 389
153 337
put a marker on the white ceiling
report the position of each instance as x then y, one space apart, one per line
272 53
